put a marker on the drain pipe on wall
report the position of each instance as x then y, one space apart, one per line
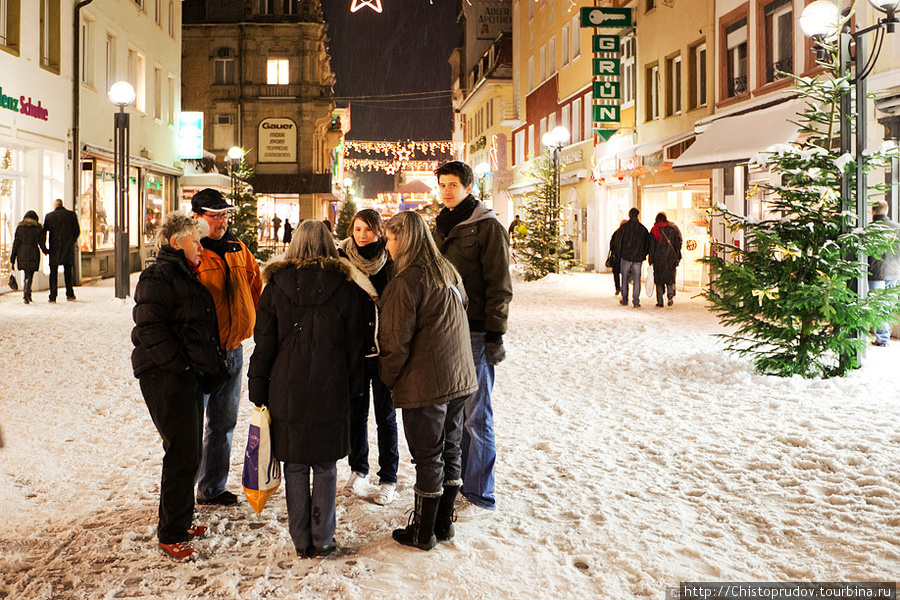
76 116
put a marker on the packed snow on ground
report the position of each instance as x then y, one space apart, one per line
633 453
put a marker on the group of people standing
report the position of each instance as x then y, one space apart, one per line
61 230
631 244
416 317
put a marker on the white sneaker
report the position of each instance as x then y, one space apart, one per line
385 493
357 484
466 511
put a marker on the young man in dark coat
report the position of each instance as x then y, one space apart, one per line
62 226
665 254
27 249
176 357
631 246
473 239
308 363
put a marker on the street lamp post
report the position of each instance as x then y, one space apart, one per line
555 139
821 21
122 94
235 154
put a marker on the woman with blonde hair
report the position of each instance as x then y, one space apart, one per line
177 357
365 249
426 360
307 364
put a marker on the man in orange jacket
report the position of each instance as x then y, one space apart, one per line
230 272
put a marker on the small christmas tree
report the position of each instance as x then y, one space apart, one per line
245 220
543 249
348 211
787 290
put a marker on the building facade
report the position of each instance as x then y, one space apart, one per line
260 74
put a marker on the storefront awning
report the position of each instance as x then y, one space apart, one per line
735 139
521 188
648 148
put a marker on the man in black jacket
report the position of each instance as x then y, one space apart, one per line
473 239
631 245
62 225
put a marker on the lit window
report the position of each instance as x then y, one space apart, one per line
779 24
277 71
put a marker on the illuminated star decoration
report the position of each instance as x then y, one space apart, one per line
359 4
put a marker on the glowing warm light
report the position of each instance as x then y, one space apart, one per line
359 4
121 93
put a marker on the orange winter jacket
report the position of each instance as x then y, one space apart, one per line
235 285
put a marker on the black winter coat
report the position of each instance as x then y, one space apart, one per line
27 245
633 241
62 224
665 254
175 322
308 361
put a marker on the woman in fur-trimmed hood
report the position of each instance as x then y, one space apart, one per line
308 362
26 249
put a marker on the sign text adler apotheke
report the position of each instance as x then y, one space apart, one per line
277 140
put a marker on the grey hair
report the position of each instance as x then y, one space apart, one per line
179 226
880 207
311 239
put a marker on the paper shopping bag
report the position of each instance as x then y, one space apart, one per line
262 472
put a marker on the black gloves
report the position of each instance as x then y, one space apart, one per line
494 352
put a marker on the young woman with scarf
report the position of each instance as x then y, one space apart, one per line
365 249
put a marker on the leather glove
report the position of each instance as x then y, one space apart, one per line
494 352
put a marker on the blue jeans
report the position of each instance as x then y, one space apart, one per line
478 450
385 421
311 516
883 331
221 417
634 269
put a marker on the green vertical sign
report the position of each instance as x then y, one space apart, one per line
606 66
606 43
606 113
607 90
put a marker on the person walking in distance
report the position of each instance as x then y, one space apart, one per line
276 225
365 249
884 272
632 247
231 274
472 238
665 254
27 249
62 227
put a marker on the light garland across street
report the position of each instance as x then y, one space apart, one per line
389 166
397 155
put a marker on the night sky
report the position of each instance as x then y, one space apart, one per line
402 50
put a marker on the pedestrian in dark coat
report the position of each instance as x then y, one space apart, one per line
176 357
665 254
308 363
614 261
276 225
288 231
26 249
427 361
365 249
632 246
63 229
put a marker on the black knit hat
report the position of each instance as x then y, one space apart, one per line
209 200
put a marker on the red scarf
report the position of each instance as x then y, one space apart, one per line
656 227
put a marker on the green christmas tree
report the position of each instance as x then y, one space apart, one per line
788 290
348 211
245 219
543 249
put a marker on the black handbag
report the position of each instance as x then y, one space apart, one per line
13 284
610 260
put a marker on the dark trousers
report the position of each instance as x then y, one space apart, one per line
26 285
385 421
668 288
54 279
433 434
175 402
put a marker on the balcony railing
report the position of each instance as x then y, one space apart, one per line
780 69
737 86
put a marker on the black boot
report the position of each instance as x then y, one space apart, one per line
443 523
420 531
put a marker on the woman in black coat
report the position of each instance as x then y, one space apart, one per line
177 358
27 249
308 362
665 254
365 249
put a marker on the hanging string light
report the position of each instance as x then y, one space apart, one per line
394 148
389 166
397 156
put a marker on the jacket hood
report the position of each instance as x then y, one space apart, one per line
286 275
481 213
29 223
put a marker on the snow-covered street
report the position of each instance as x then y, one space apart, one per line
633 453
